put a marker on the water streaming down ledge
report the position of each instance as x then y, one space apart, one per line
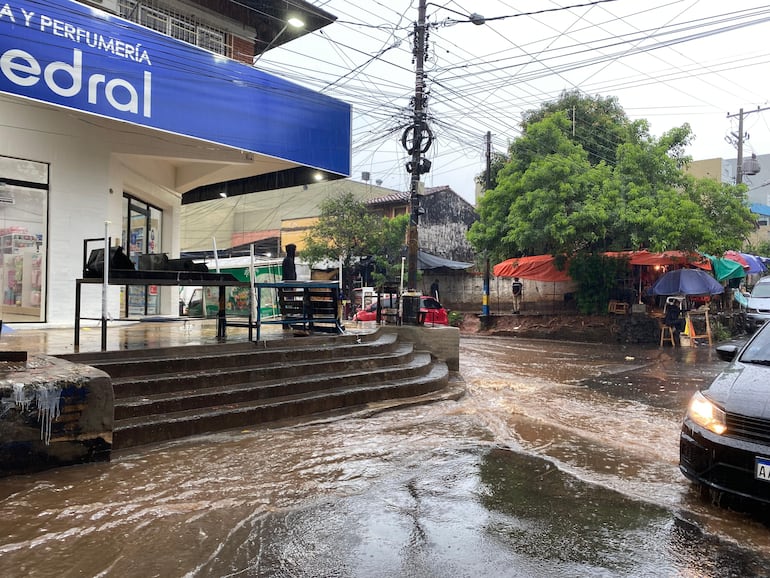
52 413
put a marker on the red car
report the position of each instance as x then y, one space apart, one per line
434 313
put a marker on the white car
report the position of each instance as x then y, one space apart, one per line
758 307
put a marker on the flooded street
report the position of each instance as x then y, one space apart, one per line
560 461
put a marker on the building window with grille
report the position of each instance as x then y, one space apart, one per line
188 29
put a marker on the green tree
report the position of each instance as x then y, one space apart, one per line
387 258
346 229
762 248
496 163
561 193
598 124
596 276
550 198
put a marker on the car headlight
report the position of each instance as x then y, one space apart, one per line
706 414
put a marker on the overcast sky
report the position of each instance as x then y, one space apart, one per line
668 61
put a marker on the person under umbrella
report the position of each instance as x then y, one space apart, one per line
673 318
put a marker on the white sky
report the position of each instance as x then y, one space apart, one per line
669 61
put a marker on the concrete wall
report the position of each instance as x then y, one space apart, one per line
462 291
441 341
55 413
444 225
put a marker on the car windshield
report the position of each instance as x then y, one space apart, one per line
758 350
386 303
761 290
430 303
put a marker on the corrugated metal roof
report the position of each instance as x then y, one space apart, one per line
760 209
403 196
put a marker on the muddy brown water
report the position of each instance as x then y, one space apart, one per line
560 461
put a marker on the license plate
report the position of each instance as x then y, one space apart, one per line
762 469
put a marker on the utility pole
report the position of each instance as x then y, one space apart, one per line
417 139
740 138
739 163
417 135
417 145
488 185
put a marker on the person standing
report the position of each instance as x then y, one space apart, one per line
517 288
434 290
288 273
288 266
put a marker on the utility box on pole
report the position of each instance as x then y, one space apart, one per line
411 308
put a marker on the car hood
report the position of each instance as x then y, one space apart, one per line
743 389
759 303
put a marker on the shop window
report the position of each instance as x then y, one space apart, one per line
23 239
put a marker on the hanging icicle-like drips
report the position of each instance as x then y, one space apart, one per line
47 396
20 398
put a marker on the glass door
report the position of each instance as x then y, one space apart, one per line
141 233
23 239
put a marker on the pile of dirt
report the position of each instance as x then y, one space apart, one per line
567 327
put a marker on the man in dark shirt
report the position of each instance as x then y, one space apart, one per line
517 288
289 269
674 318
434 290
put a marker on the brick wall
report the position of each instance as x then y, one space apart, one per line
242 49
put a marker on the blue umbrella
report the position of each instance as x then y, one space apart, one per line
687 282
755 264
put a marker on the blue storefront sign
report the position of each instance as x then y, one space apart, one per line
64 53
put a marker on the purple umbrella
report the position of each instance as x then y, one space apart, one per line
755 264
687 282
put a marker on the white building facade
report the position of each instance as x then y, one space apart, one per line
106 124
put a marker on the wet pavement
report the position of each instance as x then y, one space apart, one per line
121 335
561 460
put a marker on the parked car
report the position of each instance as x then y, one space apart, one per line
724 444
434 313
758 306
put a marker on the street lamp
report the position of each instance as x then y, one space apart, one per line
293 22
417 139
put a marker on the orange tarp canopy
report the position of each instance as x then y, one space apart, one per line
666 258
536 268
543 267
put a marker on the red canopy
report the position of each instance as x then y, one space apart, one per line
738 258
536 268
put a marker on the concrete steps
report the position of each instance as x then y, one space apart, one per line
171 393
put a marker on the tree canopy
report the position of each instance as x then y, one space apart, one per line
562 192
347 230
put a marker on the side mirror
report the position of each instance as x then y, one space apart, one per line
727 352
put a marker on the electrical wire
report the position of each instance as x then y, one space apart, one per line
367 60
